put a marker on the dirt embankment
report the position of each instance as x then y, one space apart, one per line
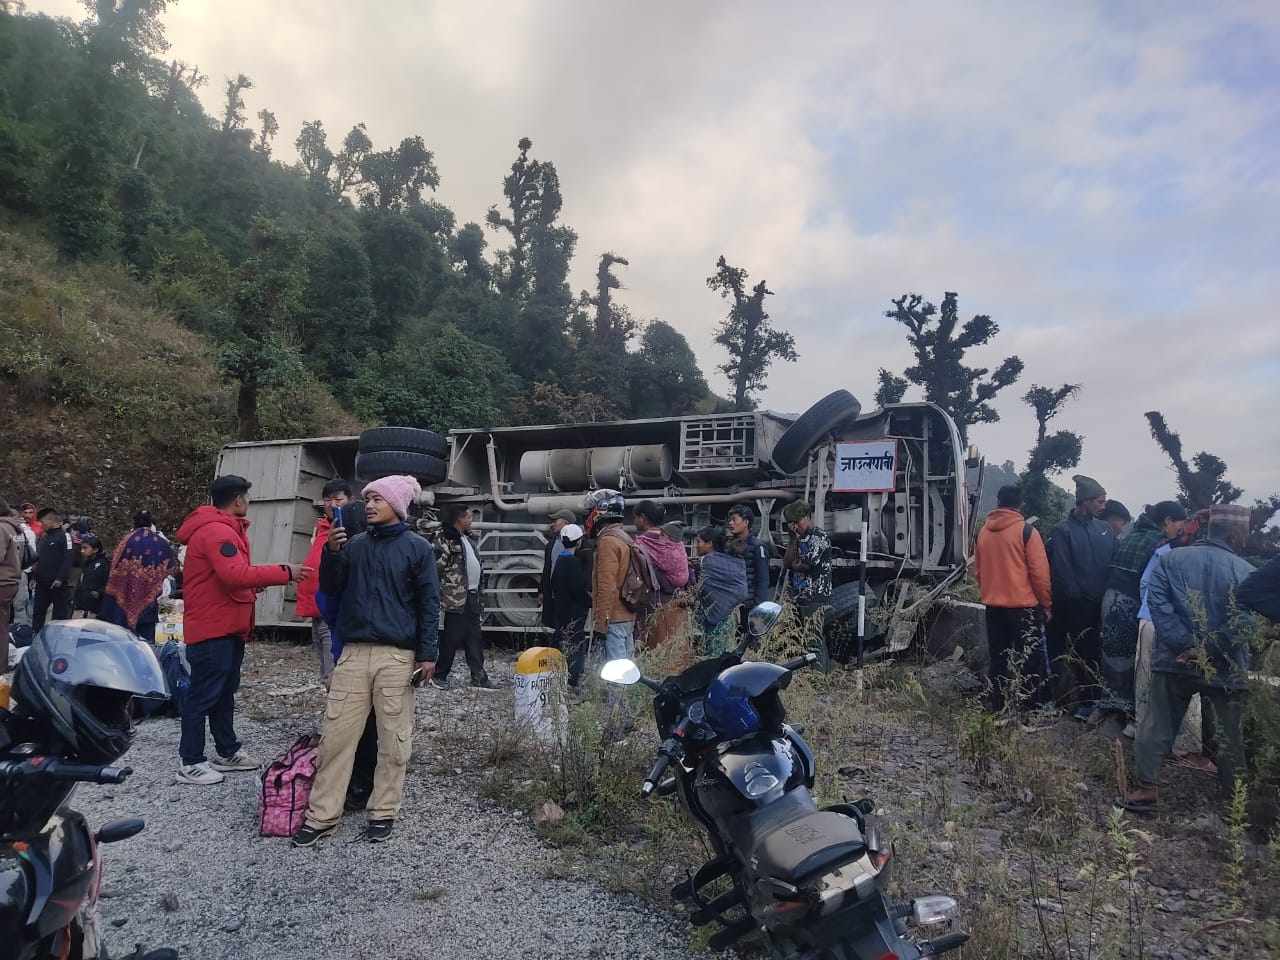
109 405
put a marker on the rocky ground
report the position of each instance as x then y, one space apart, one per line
1017 825
460 878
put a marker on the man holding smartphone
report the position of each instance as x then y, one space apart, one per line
389 611
336 495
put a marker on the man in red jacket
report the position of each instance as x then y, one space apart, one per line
220 586
336 495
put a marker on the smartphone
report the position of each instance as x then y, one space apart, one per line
415 679
338 521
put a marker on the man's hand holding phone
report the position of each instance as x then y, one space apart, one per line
337 538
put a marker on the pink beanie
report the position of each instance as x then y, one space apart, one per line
397 491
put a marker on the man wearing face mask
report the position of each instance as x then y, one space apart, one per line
388 595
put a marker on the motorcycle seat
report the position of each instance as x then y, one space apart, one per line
813 844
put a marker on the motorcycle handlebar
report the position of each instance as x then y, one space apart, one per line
799 662
64 770
666 753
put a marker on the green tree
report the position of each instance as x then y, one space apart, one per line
1052 453
314 156
394 179
664 378
435 378
267 292
1202 482
356 146
336 317
268 127
746 333
940 344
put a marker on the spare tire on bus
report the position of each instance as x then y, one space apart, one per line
385 463
814 426
404 439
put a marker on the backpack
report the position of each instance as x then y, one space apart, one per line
286 788
641 586
177 676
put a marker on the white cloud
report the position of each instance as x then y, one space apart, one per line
1087 174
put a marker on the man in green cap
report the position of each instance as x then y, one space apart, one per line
1080 550
808 560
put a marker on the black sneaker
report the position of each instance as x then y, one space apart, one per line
378 830
485 684
309 836
440 683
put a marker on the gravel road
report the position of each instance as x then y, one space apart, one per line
461 878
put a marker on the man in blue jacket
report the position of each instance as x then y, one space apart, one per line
389 611
1201 646
754 553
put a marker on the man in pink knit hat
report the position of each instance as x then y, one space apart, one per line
388 612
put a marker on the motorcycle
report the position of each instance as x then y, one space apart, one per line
76 687
813 881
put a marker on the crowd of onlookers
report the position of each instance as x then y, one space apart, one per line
1148 621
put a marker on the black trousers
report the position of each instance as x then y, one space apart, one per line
46 597
462 631
572 642
1019 667
1075 647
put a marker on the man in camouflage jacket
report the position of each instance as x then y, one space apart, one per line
460 572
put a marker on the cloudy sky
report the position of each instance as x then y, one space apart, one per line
1099 178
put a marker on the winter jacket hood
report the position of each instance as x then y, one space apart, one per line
1197 616
1010 562
220 582
385 584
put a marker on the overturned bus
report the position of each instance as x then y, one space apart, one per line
892 482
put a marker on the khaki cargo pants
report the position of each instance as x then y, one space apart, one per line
365 672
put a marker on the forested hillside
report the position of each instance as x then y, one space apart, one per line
337 275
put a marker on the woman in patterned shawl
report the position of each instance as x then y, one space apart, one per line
142 562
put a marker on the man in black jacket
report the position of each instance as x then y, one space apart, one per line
745 544
569 601
52 571
388 619
1080 550
559 520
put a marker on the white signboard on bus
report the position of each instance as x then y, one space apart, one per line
865 467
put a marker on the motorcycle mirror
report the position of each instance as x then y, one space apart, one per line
118 830
763 618
621 672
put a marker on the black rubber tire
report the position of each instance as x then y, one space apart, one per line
844 600
814 426
405 439
385 463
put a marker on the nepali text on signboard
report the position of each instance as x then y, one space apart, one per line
865 467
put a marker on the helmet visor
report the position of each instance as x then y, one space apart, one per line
103 655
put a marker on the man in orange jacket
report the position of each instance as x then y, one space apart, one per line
1013 576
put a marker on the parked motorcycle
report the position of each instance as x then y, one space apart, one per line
74 692
813 881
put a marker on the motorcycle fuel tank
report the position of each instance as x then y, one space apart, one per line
745 774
